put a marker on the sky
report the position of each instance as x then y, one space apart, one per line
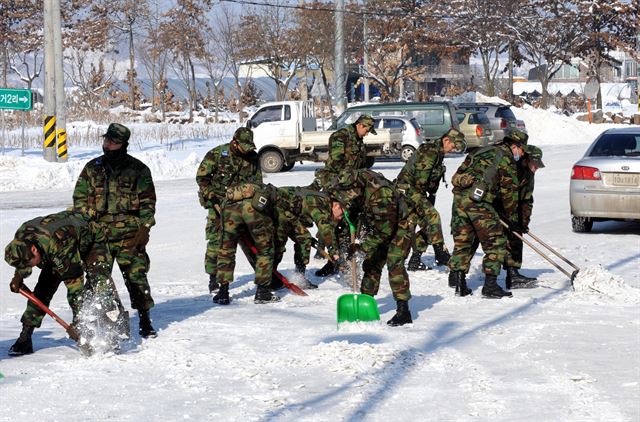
549 353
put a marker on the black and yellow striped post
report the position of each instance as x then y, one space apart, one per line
62 145
50 138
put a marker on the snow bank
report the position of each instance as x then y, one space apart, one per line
595 280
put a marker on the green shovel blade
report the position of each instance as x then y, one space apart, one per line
357 307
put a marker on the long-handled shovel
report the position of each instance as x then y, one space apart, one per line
71 330
571 276
556 253
245 242
356 307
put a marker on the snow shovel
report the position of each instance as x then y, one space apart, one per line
71 330
356 307
571 276
246 243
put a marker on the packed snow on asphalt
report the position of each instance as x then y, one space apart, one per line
550 353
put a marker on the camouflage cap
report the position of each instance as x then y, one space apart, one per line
458 139
118 133
18 254
244 137
534 155
367 121
516 136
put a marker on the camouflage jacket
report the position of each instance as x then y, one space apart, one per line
310 206
121 196
381 208
346 151
63 240
501 189
221 169
421 175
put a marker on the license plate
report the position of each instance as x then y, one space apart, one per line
625 179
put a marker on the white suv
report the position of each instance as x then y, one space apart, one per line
412 136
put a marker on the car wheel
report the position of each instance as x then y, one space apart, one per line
370 162
271 161
288 167
407 152
581 224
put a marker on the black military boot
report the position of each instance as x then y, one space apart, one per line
402 316
23 346
305 284
213 283
329 269
264 295
461 284
222 297
415 263
453 278
515 280
491 289
441 253
146 330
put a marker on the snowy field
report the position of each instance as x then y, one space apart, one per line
547 354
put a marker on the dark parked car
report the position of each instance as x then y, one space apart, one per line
605 183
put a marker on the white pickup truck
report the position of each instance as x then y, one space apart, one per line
285 132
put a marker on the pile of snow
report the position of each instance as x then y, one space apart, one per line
596 280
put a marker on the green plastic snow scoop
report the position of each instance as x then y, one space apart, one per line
356 307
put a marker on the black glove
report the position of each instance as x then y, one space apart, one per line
525 229
515 227
16 283
141 237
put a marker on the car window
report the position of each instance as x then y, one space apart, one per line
415 124
482 119
617 144
267 114
376 123
460 117
429 117
394 124
505 113
473 118
287 112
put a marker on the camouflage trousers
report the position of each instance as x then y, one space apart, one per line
471 222
392 251
213 234
430 232
134 264
238 218
44 290
288 226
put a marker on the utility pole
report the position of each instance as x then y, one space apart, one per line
49 146
339 77
365 57
55 135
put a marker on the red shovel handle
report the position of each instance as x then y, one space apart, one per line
24 291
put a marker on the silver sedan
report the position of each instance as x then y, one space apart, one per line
605 183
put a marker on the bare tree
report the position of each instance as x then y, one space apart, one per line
182 32
548 38
607 26
227 22
153 56
266 35
216 64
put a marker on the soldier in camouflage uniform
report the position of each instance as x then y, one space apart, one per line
220 167
244 213
385 228
346 152
486 177
117 191
527 168
64 246
418 182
